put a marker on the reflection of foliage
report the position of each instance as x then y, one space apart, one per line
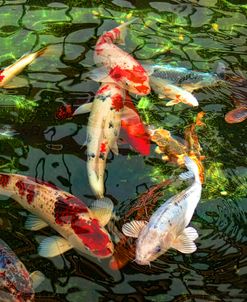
16 108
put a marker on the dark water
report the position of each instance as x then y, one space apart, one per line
193 34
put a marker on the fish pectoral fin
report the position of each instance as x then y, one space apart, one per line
188 88
53 246
37 278
149 68
173 102
16 82
161 96
185 242
100 74
186 175
34 223
85 108
133 228
102 210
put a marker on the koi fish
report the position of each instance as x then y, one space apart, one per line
118 66
177 83
175 150
132 125
81 228
102 132
16 284
7 75
167 227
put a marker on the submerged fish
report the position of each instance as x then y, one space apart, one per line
102 132
81 228
177 83
167 227
7 75
239 98
118 66
16 285
174 150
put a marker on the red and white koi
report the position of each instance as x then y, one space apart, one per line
81 228
16 284
102 132
167 227
118 66
8 74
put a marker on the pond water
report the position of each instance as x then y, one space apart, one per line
194 34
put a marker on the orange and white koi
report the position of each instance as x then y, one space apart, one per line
81 228
167 227
16 284
118 66
102 132
8 74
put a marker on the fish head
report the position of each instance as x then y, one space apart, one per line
148 247
133 79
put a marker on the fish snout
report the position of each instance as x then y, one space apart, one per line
142 261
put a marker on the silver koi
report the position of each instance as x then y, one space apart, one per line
167 227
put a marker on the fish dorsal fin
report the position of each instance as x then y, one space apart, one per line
133 228
34 223
37 278
16 82
85 108
184 243
102 210
100 74
53 246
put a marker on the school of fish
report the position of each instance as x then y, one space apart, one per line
113 113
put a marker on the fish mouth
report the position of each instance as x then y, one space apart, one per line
142 262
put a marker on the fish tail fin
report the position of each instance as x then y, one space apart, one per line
192 167
123 30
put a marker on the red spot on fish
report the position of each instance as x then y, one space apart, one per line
178 96
103 89
108 37
67 208
117 102
1 76
92 235
103 148
4 180
135 75
26 189
63 112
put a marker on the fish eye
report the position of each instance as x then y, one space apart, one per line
157 249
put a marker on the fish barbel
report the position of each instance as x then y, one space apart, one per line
80 227
167 227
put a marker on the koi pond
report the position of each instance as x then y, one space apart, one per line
41 139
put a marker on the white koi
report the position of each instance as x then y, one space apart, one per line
167 227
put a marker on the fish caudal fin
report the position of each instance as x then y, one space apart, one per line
185 242
53 246
123 31
102 210
192 167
